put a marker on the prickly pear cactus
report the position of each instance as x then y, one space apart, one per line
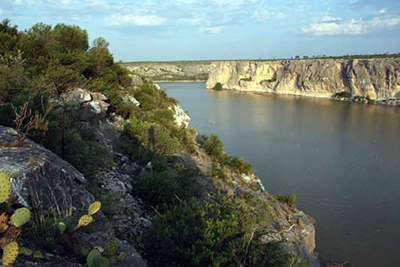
62 227
122 256
20 217
5 187
110 248
102 262
85 220
91 258
10 253
25 251
94 207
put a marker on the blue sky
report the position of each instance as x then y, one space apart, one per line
222 29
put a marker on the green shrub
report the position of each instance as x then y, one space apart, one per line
218 233
218 86
289 199
164 186
239 165
371 101
214 147
343 94
82 149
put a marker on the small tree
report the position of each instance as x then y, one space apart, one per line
100 42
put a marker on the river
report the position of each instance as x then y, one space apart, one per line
341 159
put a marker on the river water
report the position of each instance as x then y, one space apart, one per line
341 159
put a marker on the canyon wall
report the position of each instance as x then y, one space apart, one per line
173 71
377 79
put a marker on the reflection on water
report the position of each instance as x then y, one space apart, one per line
341 159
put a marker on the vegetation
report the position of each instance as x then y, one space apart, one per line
344 94
289 199
218 86
10 223
214 147
219 233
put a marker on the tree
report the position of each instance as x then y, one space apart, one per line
72 38
100 42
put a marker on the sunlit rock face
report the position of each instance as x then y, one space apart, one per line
377 79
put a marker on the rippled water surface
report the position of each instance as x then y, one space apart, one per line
342 160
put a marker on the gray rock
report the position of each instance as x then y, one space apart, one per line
136 80
40 178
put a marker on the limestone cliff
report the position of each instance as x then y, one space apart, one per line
171 71
375 78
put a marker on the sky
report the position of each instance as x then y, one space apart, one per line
154 30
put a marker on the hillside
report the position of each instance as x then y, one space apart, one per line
173 71
77 128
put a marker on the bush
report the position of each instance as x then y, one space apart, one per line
218 233
214 147
81 147
162 185
289 199
239 165
218 86
343 94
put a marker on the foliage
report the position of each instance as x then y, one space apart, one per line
214 147
10 223
289 199
81 146
53 59
218 86
161 185
221 232
343 94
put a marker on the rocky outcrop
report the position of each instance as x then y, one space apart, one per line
171 71
182 119
40 175
377 79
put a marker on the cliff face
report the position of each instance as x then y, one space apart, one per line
375 78
171 71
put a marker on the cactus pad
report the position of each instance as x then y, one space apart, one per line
110 248
5 187
62 227
102 262
10 253
10 236
85 220
94 207
25 251
20 217
122 256
92 257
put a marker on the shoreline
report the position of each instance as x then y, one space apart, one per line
181 81
382 102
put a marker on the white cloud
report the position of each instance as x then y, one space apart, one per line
327 18
135 20
211 30
1 11
192 21
262 16
335 26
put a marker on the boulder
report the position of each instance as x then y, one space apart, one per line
40 179
136 80
77 95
